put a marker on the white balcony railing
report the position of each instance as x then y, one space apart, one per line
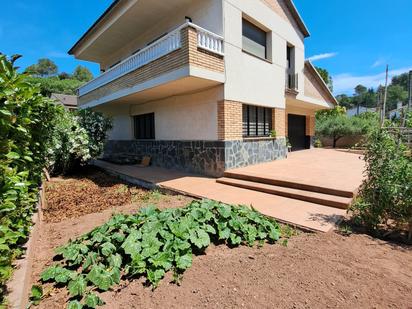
172 41
209 41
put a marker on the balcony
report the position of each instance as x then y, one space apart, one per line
187 51
292 82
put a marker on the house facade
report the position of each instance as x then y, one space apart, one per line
203 85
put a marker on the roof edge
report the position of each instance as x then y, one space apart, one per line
106 12
295 13
312 68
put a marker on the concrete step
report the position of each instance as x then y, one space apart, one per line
290 184
298 194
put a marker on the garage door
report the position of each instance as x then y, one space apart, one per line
297 132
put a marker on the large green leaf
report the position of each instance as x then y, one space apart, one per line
100 278
77 287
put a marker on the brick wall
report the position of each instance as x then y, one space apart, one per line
229 120
279 121
310 125
189 53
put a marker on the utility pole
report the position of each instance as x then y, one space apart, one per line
385 95
410 90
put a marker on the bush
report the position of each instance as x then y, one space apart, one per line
151 243
96 125
386 195
335 124
34 133
27 121
70 145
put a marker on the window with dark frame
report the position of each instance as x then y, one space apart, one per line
254 39
257 121
144 126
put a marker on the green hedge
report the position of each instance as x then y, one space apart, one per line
35 133
26 121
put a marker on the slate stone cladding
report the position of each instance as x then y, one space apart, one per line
210 158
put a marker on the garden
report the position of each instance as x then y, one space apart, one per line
102 242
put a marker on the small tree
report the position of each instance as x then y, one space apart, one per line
82 74
335 127
335 124
44 67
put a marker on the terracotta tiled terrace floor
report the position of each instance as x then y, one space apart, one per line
319 167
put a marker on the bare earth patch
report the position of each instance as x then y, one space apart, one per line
313 271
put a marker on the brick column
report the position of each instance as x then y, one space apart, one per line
279 121
310 125
229 120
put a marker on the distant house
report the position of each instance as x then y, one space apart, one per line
355 111
68 101
398 111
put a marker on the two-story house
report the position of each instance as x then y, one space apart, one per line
203 85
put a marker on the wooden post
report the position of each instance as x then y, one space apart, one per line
386 95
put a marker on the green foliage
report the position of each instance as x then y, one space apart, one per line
36 294
70 145
27 121
335 124
49 85
408 120
327 78
96 125
82 74
386 194
44 67
151 243
397 92
35 133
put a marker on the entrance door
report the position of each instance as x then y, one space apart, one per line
297 131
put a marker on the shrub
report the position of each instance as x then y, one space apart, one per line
96 125
27 121
335 124
69 146
386 195
34 133
151 243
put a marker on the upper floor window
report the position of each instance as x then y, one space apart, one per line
144 126
254 40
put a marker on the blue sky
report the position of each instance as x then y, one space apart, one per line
353 39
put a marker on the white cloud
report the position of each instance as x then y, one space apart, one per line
378 63
345 83
57 54
322 56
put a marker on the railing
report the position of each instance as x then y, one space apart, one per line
292 81
403 134
209 41
172 41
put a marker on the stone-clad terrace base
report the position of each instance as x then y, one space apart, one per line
209 158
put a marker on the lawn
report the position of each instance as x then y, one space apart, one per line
313 270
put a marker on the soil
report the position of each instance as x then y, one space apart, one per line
312 271
89 192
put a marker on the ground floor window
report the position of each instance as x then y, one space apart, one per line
144 126
257 121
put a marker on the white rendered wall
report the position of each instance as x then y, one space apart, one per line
185 117
249 79
122 122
